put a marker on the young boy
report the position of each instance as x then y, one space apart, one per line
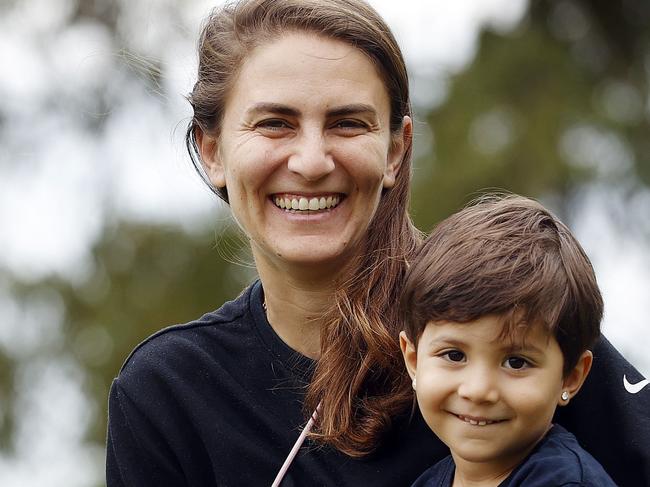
500 308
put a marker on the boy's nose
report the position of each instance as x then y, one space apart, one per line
311 158
479 386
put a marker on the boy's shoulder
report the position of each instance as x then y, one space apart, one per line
439 475
559 460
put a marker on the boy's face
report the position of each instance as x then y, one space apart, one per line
490 400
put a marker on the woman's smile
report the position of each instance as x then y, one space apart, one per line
307 203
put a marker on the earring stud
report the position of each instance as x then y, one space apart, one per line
414 384
565 395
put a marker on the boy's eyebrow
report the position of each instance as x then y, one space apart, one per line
445 340
522 347
454 341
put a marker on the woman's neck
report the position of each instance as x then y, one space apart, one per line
295 301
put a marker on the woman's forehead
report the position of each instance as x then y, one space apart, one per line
302 66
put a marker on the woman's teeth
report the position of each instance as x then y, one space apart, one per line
304 204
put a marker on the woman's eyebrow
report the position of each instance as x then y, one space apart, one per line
353 109
268 107
340 111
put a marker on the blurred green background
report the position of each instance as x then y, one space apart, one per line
553 105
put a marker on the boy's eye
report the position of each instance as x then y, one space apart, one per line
516 363
454 356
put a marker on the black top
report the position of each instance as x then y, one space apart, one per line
557 461
218 401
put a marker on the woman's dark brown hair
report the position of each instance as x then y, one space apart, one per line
358 380
508 256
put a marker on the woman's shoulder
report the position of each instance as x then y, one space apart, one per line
180 346
609 421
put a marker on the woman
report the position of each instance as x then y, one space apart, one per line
302 124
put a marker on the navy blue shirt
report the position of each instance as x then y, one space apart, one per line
557 461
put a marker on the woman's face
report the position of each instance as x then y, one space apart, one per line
305 150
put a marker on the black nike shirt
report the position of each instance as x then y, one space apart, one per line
611 423
218 402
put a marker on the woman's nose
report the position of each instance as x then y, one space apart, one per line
479 385
310 157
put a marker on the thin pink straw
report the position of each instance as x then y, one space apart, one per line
295 449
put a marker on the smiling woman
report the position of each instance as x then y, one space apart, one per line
327 137
302 124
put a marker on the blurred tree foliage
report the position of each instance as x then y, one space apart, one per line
143 278
560 101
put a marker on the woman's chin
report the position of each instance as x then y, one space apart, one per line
306 253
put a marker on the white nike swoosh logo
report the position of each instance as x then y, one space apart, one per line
634 388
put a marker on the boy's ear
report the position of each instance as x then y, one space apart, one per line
410 354
399 144
576 377
209 150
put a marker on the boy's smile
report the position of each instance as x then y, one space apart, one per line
477 420
489 399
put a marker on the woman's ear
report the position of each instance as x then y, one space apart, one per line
576 377
209 150
400 142
410 354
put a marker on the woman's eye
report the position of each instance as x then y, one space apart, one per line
273 124
350 126
516 363
454 356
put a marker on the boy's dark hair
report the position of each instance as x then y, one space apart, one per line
509 256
